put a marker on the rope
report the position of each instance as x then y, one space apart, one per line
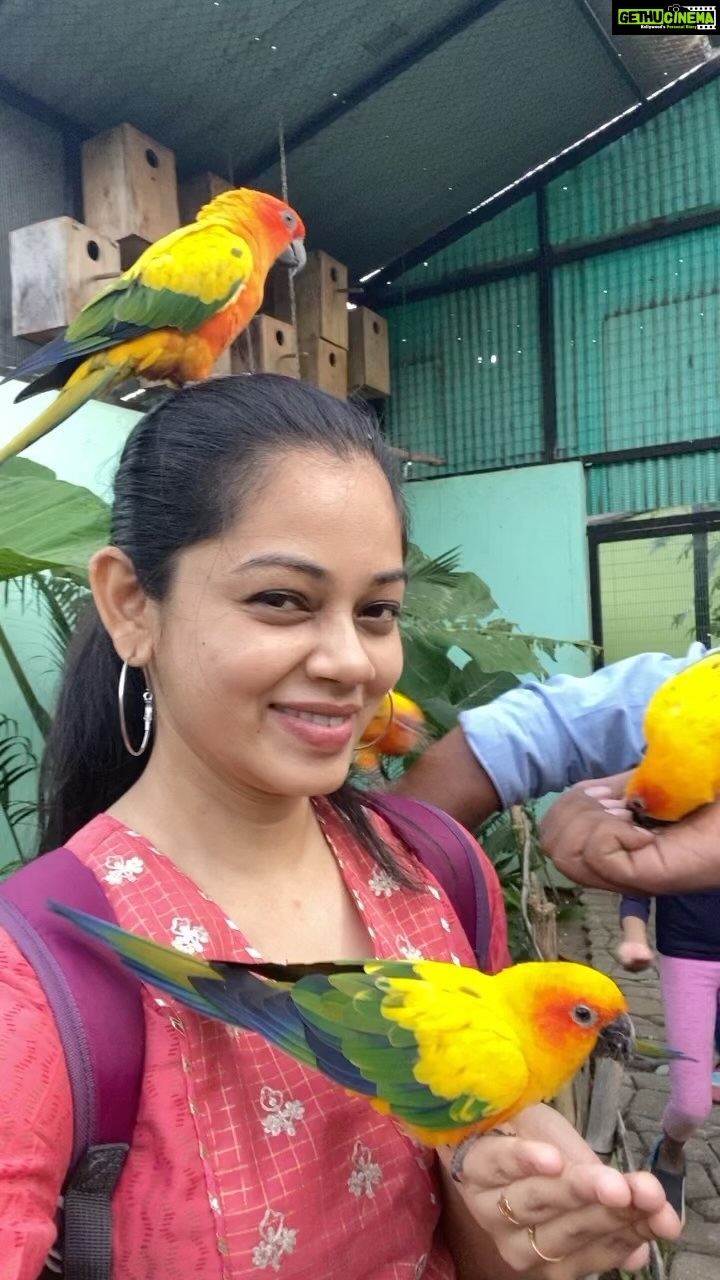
284 188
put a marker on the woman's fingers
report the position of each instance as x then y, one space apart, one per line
536 1200
570 1247
649 1198
495 1161
636 1260
601 1257
571 1232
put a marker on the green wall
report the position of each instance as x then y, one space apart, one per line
523 532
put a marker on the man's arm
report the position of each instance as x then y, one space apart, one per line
450 776
541 738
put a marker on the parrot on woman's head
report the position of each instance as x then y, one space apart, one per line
170 315
447 1051
680 770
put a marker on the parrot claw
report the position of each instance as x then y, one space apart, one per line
461 1150
459 1154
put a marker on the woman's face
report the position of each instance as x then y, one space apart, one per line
277 639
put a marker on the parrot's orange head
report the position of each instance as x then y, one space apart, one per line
650 801
647 798
565 1008
260 218
680 771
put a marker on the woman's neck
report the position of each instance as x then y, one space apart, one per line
212 828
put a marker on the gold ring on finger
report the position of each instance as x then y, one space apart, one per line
540 1254
506 1210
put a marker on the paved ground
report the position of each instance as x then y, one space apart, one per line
697 1256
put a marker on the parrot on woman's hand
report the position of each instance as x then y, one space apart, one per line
170 315
397 728
680 770
447 1051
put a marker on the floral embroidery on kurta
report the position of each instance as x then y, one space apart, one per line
244 1160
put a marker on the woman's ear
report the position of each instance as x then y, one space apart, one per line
126 612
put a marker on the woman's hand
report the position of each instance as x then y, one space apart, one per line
544 1192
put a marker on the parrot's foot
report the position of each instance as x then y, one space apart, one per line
459 1154
461 1150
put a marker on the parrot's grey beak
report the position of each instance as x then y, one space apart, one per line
617 1039
294 256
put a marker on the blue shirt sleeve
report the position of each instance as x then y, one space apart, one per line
542 737
635 904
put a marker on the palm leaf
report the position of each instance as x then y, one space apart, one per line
441 570
17 761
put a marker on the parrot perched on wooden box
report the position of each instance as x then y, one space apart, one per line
172 314
447 1051
680 770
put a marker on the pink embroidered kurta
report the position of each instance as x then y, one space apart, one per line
244 1163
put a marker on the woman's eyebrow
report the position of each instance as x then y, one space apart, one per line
278 560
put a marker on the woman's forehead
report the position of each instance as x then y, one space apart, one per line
318 496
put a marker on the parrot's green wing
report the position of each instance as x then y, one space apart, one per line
428 1041
178 283
223 990
436 1053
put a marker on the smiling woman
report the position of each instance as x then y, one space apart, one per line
243 634
255 523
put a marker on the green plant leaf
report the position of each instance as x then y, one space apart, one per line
17 761
442 570
46 523
426 670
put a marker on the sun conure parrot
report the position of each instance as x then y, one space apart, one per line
170 315
448 1051
397 728
680 770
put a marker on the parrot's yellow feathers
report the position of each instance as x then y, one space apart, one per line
680 770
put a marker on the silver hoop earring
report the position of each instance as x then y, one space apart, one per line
147 716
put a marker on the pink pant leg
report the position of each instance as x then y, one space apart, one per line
690 993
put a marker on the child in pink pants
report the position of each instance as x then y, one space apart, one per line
688 943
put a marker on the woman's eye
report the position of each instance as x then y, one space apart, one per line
283 601
382 611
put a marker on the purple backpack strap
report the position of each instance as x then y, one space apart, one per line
448 852
98 1009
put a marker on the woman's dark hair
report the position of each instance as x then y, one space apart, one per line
185 471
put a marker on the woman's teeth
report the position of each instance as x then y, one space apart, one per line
314 717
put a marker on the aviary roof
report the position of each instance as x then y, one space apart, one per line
399 117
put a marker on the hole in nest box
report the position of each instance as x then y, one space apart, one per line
334 275
376 326
93 250
280 337
332 358
152 158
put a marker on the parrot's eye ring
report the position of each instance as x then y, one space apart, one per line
583 1015
289 218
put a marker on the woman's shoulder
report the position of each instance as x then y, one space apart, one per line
454 848
19 983
100 832
30 1046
